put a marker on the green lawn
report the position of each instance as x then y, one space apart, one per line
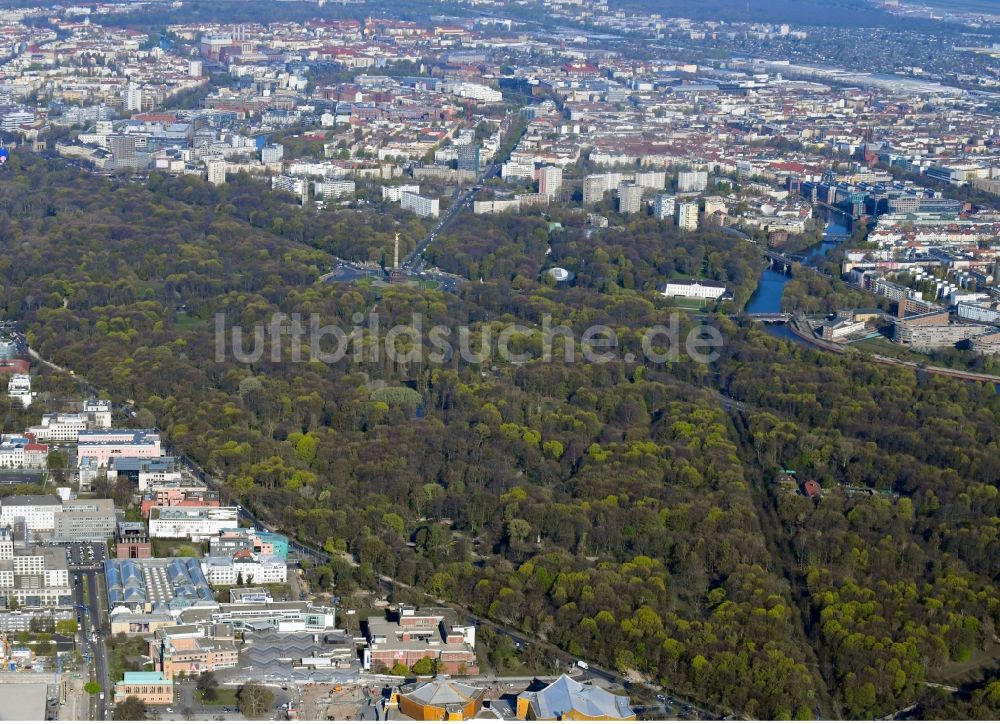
697 305
186 321
165 548
223 697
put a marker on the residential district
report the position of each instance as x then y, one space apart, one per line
129 577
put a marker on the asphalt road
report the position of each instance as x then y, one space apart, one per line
91 617
414 260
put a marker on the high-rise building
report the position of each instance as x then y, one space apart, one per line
297 186
133 97
651 179
216 171
594 188
690 181
686 216
629 198
663 207
195 69
123 151
272 153
467 157
550 181
418 204
333 188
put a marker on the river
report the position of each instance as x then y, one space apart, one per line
767 297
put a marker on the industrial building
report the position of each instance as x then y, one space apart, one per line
158 585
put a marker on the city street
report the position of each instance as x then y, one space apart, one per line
93 633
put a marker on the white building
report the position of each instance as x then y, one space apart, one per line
629 198
690 181
518 167
98 412
60 426
39 577
246 566
17 451
216 171
37 512
419 205
651 179
686 216
477 92
272 153
663 207
19 388
394 193
333 188
133 97
194 523
550 179
694 288
296 186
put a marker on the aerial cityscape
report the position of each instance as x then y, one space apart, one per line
499 359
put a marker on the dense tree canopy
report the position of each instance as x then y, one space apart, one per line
618 510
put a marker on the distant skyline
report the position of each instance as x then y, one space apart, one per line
983 6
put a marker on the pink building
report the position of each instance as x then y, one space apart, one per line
102 445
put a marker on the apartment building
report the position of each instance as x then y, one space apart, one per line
333 188
692 181
663 207
550 180
216 170
686 216
394 193
419 205
18 451
629 198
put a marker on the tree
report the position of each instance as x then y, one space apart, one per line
132 709
57 462
92 688
425 667
255 700
208 685
399 669
66 627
